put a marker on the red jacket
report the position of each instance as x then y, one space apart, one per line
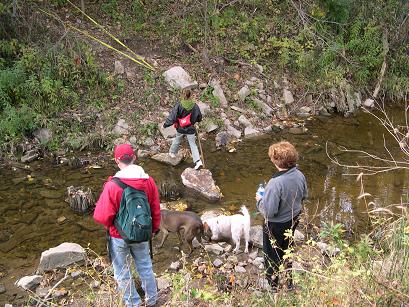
108 203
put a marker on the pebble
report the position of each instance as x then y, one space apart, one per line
240 269
217 263
175 265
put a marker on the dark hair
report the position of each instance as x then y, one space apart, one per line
127 159
186 94
283 154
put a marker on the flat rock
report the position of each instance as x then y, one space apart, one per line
30 156
233 132
240 269
165 158
218 92
167 133
201 181
244 121
177 77
288 97
29 282
121 127
163 283
244 92
61 256
217 263
250 132
210 127
256 235
238 109
204 107
369 103
214 248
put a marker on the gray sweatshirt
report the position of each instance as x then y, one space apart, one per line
283 196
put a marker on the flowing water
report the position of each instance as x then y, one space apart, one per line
31 206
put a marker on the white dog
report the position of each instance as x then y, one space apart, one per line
229 228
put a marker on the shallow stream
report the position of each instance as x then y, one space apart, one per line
31 206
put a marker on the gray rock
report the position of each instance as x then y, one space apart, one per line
251 132
175 265
304 110
238 109
256 235
324 112
262 96
42 292
95 284
233 259
8 305
29 282
30 156
244 121
263 284
244 92
43 135
167 133
61 256
77 274
163 283
259 68
148 142
119 68
263 107
165 158
202 86
177 77
142 153
120 128
297 130
288 97
202 182
228 248
204 107
218 93
258 261
298 236
327 249
133 140
233 131
2 289
195 243
222 139
369 103
210 127
214 248
240 269
253 255
217 263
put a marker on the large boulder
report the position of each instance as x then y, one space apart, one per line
218 92
166 158
201 181
29 282
250 132
244 92
61 256
167 133
177 77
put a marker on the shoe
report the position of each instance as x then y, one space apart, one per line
172 155
198 165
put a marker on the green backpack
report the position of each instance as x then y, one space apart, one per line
133 220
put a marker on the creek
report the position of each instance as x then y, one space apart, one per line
31 206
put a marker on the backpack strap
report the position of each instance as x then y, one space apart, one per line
120 183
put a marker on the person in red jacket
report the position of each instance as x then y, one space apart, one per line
121 252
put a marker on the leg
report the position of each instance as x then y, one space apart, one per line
174 148
143 262
270 257
191 138
236 239
165 235
180 239
121 262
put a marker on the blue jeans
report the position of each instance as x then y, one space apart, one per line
122 254
191 138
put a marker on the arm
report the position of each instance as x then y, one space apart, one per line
172 118
270 203
153 199
105 209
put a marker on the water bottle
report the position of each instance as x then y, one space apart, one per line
260 190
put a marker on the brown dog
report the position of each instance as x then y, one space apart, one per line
174 221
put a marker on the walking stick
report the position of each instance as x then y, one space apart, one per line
200 145
150 249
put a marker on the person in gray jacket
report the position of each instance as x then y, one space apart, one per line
281 206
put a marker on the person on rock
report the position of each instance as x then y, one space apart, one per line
281 207
122 253
183 116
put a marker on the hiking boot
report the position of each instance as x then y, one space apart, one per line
172 155
198 165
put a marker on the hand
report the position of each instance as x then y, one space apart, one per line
258 197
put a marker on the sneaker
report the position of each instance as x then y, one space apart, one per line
198 165
172 155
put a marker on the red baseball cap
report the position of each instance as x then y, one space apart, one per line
123 151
